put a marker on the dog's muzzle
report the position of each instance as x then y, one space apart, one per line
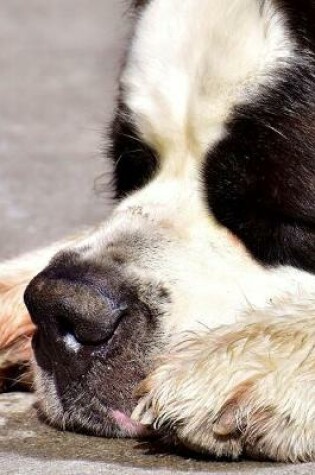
90 344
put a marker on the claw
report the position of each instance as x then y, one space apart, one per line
227 424
143 413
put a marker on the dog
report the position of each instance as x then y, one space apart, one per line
190 312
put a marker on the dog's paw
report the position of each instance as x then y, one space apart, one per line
246 390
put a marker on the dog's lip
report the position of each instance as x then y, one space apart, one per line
129 427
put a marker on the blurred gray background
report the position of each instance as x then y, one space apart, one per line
59 60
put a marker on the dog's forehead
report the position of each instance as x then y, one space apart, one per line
183 81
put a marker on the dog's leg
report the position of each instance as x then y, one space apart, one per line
16 327
245 389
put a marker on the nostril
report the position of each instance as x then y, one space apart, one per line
64 326
89 331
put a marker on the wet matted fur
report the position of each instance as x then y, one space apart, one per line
191 310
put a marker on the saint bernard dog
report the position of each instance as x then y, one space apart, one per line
190 312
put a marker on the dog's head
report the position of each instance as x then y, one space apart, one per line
105 307
200 138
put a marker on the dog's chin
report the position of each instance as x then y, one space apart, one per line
91 418
111 423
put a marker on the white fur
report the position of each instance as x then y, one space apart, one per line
242 389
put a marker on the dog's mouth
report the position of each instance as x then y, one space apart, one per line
91 392
97 420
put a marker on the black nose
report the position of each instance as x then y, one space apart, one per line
64 300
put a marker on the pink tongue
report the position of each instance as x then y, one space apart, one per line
128 426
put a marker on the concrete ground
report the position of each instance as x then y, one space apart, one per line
59 60
30 447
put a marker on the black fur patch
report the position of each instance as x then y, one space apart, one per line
301 20
135 162
260 180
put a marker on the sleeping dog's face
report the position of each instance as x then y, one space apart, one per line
106 307
211 216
